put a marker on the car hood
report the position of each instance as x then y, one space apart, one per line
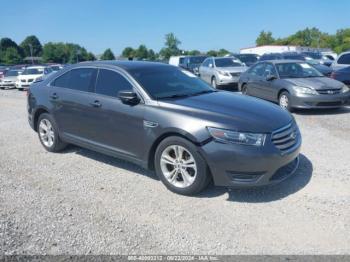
28 76
316 82
9 78
234 69
231 111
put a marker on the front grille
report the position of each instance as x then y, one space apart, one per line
30 80
286 137
329 91
23 80
235 74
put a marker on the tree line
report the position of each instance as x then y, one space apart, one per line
311 37
59 52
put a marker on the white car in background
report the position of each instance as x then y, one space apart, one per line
176 60
342 61
32 74
10 78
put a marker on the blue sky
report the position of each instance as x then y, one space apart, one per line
199 24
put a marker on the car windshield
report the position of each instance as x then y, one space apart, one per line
247 58
11 73
197 59
226 62
297 70
314 55
168 82
55 68
33 71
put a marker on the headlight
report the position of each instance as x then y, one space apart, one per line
229 136
345 89
223 73
305 90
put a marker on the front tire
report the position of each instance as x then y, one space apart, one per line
284 101
180 167
48 134
213 82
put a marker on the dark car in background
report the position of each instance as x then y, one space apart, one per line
192 63
293 84
247 59
163 118
325 70
342 75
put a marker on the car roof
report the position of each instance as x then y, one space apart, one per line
126 65
35 67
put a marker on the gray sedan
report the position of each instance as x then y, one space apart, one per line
221 71
293 84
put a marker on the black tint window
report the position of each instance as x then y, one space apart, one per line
62 81
344 59
110 83
258 70
82 79
270 70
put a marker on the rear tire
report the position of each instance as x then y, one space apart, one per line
244 89
284 101
48 134
180 167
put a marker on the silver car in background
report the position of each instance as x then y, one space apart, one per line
221 71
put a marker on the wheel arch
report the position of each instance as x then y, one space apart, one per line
151 152
281 91
38 112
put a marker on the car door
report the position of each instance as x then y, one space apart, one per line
267 87
119 126
255 78
71 98
203 70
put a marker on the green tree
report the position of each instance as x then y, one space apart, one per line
11 56
264 38
151 55
142 52
128 52
90 57
108 55
212 53
31 43
223 52
6 43
171 46
55 53
194 52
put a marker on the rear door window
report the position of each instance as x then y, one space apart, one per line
82 79
344 59
109 83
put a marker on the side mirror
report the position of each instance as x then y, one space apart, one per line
211 65
271 77
128 97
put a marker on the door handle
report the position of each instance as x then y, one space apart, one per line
54 96
96 104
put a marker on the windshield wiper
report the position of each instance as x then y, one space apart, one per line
204 92
175 96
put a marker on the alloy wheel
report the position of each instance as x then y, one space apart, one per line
46 132
178 166
284 101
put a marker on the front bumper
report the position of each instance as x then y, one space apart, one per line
7 84
242 166
320 101
228 80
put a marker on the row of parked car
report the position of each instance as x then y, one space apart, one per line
22 76
291 79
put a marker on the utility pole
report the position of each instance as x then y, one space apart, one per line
31 52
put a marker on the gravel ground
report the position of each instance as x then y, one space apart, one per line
82 202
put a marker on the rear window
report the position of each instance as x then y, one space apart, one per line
81 79
344 59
